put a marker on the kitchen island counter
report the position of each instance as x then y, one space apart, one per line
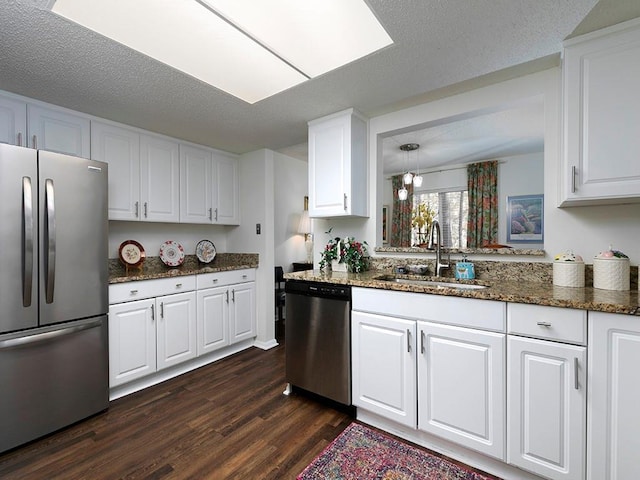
535 293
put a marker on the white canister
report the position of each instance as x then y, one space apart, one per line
611 273
568 274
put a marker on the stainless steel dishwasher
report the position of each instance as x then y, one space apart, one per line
318 339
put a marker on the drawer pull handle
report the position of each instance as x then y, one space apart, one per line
544 324
215 280
244 276
577 379
408 341
178 285
134 292
422 342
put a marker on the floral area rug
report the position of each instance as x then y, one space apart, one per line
360 453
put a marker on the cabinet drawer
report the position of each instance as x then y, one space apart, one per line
553 323
219 279
129 291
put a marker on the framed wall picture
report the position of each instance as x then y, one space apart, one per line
385 224
525 219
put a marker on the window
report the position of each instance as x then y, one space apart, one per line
450 209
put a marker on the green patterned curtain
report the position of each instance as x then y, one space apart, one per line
482 226
401 218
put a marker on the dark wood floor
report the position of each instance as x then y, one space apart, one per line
223 421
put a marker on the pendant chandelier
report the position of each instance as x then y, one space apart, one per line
409 177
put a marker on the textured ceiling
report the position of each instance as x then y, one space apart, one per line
437 44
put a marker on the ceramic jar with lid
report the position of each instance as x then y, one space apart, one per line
611 270
568 270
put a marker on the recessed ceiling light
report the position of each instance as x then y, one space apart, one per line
251 49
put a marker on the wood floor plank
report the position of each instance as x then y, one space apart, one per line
223 421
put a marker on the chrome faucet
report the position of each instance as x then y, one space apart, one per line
437 244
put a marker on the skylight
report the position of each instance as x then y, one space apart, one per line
251 49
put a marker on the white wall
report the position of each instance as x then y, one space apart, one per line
518 175
256 171
290 187
586 230
151 235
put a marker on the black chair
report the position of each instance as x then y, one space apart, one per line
279 291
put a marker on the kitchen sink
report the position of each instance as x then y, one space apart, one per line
434 283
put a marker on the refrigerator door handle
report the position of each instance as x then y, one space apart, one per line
50 240
27 238
42 337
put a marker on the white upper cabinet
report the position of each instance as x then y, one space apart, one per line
208 187
58 131
120 148
338 165
13 121
160 179
601 74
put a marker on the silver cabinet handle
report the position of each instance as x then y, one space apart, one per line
576 365
215 280
422 342
50 240
137 206
574 172
227 296
216 214
210 214
134 292
34 142
153 313
233 295
27 245
178 285
345 202
161 309
244 276
146 209
408 340
19 139
544 324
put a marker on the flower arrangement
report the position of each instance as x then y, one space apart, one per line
346 250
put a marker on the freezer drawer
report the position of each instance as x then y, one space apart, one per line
51 378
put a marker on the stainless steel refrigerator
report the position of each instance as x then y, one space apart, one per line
54 363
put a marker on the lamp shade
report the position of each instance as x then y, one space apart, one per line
403 193
304 226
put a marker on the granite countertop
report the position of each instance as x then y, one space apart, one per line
536 293
154 268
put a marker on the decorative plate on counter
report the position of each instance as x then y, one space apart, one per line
171 253
205 251
131 253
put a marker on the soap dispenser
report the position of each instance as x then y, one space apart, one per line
465 270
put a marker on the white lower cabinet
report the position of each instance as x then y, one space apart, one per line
149 335
176 329
384 366
546 407
158 324
461 386
614 397
226 312
132 341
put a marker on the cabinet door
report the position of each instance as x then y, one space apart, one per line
176 328
132 341
601 97
614 396
195 185
226 199
461 386
120 148
384 366
160 181
58 131
213 319
546 398
338 165
242 315
13 122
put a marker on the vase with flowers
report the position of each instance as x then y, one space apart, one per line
348 252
